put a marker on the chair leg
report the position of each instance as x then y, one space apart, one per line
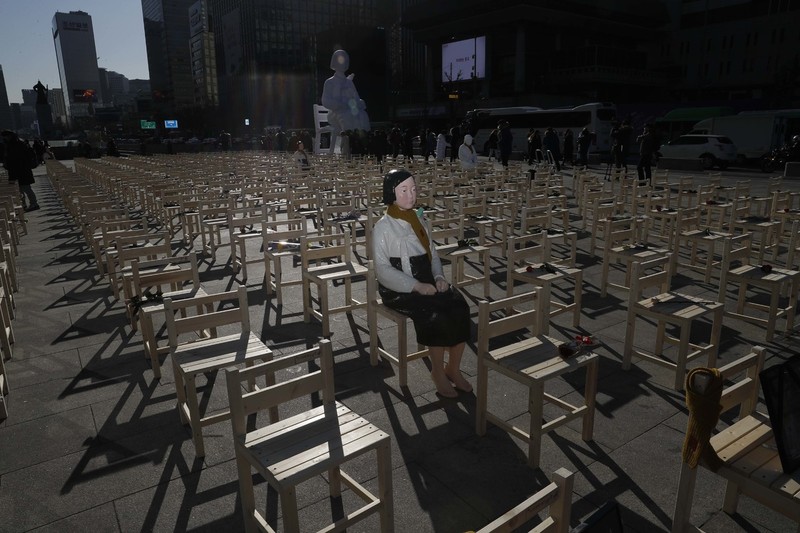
194 415
385 487
335 482
536 409
247 494
291 522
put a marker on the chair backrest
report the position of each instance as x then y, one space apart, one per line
150 246
512 318
242 404
172 272
688 219
641 281
735 248
522 248
210 320
240 218
794 246
556 496
445 229
317 249
283 235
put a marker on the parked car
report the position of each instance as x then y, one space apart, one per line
712 150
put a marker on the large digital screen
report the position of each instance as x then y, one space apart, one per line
171 124
463 59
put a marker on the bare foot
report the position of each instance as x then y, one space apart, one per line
458 380
443 386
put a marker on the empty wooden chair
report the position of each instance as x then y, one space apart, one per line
318 441
531 360
326 260
209 352
556 497
3 389
545 273
768 280
668 307
281 240
181 279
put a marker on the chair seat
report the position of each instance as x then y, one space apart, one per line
677 305
336 271
325 436
218 352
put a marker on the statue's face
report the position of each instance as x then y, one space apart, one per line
340 61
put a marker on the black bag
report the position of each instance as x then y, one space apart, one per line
781 386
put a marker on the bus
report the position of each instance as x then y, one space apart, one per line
598 117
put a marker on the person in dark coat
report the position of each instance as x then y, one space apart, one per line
584 142
504 141
551 144
534 143
647 147
569 146
18 161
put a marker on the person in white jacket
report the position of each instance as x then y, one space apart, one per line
467 154
441 147
411 281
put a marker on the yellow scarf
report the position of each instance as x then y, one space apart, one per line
411 217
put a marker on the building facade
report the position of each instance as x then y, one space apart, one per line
166 32
76 54
203 56
6 121
660 52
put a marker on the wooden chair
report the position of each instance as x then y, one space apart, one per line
181 278
140 248
281 240
244 226
668 307
546 274
315 442
210 352
530 361
375 308
625 245
447 235
773 280
793 254
6 314
3 389
327 260
749 458
556 497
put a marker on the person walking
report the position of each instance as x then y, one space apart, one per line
551 144
569 146
647 148
584 141
505 141
19 160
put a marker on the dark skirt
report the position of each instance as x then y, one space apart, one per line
439 320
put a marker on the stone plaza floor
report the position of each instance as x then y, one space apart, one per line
94 442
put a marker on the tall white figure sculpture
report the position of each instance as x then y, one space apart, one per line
346 111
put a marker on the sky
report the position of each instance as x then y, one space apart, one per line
27 53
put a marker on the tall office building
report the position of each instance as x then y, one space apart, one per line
166 33
73 36
204 61
5 110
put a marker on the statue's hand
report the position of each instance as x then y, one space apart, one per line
351 76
